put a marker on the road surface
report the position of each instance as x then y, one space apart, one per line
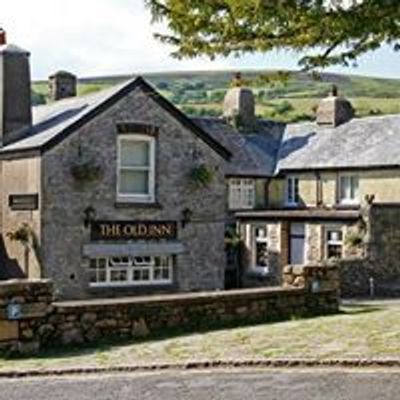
211 385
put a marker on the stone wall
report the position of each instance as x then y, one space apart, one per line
30 320
24 308
178 150
314 278
380 267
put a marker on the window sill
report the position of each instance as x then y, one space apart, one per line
348 206
136 204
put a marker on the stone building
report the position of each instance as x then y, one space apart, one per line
120 193
102 193
313 192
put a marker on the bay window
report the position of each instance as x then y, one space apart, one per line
131 270
136 168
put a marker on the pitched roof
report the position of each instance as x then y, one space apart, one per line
360 143
54 122
253 153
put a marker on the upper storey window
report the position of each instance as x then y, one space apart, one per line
292 191
242 194
136 168
348 189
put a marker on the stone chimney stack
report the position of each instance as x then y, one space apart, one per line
334 110
239 105
15 91
62 85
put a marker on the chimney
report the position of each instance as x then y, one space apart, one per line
3 37
239 105
15 91
62 85
334 110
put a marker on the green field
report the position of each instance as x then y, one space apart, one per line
291 99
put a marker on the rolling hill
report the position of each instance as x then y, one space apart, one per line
290 99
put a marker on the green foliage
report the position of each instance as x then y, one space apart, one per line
355 239
201 176
327 32
38 98
85 170
284 107
22 234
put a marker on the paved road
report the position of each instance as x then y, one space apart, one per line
246 385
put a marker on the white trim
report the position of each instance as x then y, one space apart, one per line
137 198
290 191
240 190
351 179
129 268
327 243
255 240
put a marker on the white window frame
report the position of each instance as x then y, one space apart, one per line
137 197
355 191
130 267
255 240
292 191
240 191
328 242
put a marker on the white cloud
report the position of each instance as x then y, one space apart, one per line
102 37
89 37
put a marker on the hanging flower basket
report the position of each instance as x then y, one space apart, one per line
201 176
85 171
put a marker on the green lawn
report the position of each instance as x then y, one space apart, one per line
362 331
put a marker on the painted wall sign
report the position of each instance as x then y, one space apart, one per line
23 202
133 230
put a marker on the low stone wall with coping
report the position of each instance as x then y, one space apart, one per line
313 278
30 320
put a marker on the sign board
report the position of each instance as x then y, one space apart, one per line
23 202
133 230
14 312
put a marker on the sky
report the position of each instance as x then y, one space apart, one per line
109 37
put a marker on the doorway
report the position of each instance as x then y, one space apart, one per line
297 243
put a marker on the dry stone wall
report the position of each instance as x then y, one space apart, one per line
30 320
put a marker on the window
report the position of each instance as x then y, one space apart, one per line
334 243
292 191
136 168
241 194
260 257
348 189
130 270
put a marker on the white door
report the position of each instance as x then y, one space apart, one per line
297 243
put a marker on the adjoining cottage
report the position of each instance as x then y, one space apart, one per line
303 193
119 193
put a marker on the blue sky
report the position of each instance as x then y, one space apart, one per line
103 37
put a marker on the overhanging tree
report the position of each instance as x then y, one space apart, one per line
323 32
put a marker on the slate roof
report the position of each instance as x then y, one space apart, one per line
53 122
360 143
275 147
253 153
271 148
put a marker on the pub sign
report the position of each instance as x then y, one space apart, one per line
133 230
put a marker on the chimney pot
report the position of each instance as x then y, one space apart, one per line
334 110
3 37
62 85
239 105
